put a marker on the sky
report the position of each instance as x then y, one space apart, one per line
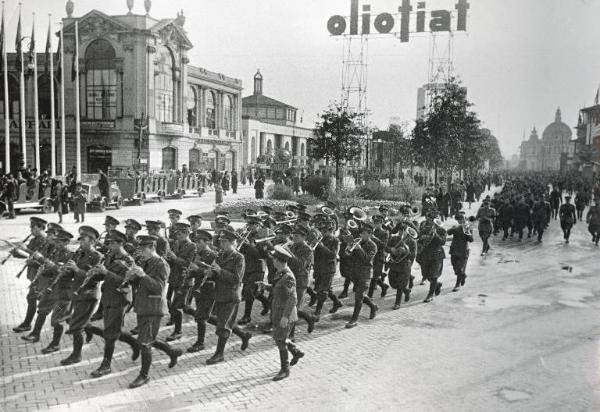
520 59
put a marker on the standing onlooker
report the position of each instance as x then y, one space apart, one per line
243 177
61 200
250 177
79 200
296 184
10 195
225 183
234 181
218 193
103 184
259 188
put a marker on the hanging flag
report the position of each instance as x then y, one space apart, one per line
2 48
48 54
58 61
18 45
75 65
31 47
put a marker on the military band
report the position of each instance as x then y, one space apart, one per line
275 258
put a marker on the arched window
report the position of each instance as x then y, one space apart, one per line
164 85
13 99
253 150
100 81
44 97
287 146
228 113
269 147
169 158
192 101
210 110
194 160
302 150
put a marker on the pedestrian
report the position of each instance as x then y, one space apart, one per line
225 183
485 215
79 201
593 221
459 249
259 188
218 193
234 181
103 184
568 217
61 200
10 195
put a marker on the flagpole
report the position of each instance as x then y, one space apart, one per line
52 119
36 109
22 102
77 123
63 151
6 108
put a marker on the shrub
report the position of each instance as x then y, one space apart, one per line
318 186
280 192
372 190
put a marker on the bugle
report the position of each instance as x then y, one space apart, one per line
10 254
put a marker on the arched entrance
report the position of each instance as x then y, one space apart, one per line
99 157
194 159
169 158
228 161
211 163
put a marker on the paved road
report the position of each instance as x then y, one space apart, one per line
522 335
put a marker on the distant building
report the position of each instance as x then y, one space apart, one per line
270 126
553 152
588 131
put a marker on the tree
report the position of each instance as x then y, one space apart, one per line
338 137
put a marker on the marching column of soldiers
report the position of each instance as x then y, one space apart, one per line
208 273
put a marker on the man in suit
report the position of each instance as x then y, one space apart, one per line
568 217
459 250
486 216
227 271
150 306
362 254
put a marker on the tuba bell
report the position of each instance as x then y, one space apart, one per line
327 211
358 214
410 231
351 224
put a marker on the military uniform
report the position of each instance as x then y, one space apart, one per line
254 272
431 255
380 238
505 218
486 216
402 255
325 258
593 220
180 281
346 268
459 253
114 299
568 217
362 262
541 217
300 264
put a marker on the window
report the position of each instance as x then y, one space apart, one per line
271 113
44 97
253 150
164 86
210 110
13 99
302 150
100 81
169 161
228 113
191 107
194 161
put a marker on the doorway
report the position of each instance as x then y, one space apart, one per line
99 157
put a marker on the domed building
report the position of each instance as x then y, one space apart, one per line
553 152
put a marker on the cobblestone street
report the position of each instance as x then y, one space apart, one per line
526 319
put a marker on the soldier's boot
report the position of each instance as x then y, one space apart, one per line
26 324
174 354
90 331
457 285
133 343
267 327
199 344
104 369
336 302
284 372
74 357
372 286
319 308
411 282
374 308
463 279
384 287
218 356
407 294
432 285
243 335
143 377
177 316
344 293
34 336
310 320
266 304
398 300
54 345
297 354
313 296
188 310
246 319
354 320
438 287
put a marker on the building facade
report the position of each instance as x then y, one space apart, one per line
270 126
553 152
588 134
134 71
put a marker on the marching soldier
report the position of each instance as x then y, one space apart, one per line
254 268
84 296
431 253
593 220
363 253
505 217
346 269
459 250
522 217
150 306
162 245
195 225
110 224
174 216
540 216
486 216
403 250
132 227
300 264
568 217
380 237
325 256
284 310
227 271
39 243
180 258
57 301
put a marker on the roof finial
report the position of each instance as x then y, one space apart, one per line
147 6
129 5
69 7
558 116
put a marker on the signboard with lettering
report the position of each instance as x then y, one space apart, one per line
98 124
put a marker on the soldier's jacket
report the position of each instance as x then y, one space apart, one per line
85 260
59 256
593 216
486 216
228 282
253 257
345 260
326 254
151 295
266 248
117 265
42 245
300 263
380 237
505 214
431 240
162 246
541 212
131 246
522 213
185 252
567 213
362 259
284 297
460 241
201 280
409 245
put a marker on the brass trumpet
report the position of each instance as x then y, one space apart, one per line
354 245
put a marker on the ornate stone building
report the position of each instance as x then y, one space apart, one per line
555 150
134 70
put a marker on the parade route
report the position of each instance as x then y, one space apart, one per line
523 334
